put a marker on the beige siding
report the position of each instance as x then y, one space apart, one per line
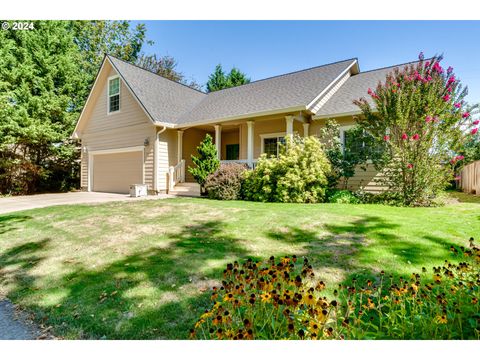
127 128
167 156
369 179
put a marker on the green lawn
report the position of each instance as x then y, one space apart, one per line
143 269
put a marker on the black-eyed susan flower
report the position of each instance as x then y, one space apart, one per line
441 319
266 297
310 300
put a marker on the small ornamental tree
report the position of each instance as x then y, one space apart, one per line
206 163
420 115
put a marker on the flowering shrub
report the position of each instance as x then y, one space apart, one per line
420 115
298 175
226 182
284 300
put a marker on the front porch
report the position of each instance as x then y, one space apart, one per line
241 141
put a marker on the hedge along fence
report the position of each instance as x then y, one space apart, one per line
470 178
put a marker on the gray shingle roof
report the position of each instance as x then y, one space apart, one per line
353 89
296 89
163 99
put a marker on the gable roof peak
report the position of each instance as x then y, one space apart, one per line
152 72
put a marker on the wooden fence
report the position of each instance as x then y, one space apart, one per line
470 178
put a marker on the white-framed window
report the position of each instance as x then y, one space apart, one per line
113 94
344 134
270 143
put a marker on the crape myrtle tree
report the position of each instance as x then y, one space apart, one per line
420 114
206 162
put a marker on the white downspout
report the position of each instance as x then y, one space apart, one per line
155 159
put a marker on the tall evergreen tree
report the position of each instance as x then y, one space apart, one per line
219 80
236 77
45 77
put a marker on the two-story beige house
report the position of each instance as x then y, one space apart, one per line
138 127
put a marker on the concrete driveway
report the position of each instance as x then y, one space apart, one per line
17 203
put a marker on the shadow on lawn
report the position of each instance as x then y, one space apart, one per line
160 292
157 293
349 249
7 222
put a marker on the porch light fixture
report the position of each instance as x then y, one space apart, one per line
146 142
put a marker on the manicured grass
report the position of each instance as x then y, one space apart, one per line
143 269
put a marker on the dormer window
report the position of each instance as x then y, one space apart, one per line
113 94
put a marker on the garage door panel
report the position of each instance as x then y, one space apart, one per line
116 172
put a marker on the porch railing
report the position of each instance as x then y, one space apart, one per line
241 161
176 174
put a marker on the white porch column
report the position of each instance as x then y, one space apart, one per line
218 140
179 145
250 143
289 123
306 126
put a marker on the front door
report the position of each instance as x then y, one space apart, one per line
233 151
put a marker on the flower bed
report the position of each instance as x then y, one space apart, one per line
286 300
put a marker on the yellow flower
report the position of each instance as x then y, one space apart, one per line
310 299
228 297
437 278
199 323
206 315
266 297
441 319
285 260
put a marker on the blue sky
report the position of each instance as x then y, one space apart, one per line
268 48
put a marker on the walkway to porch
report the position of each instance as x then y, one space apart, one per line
186 189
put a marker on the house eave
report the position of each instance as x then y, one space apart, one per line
243 116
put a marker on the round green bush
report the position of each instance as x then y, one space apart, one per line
343 197
298 175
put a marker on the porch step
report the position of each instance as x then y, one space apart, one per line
186 189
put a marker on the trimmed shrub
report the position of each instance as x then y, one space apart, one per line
298 175
226 182
283 299
206 162
343 197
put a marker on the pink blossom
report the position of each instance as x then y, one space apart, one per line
476 122
416 137
427 64
474 131
370 92
458 105
428 78
446 98
458 178
410 166
451 79
460 157
450 69
465 114
386 138
404 136
435 119
449 89
428 119
437 67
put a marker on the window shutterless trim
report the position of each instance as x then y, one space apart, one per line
109 95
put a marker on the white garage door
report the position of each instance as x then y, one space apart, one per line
116 172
